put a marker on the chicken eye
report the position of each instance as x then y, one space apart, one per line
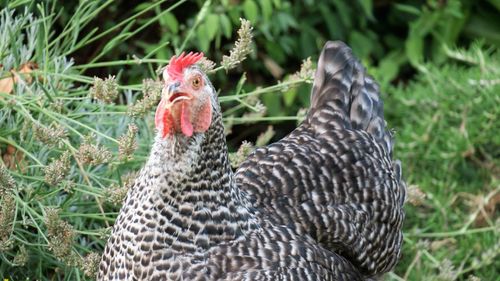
196 83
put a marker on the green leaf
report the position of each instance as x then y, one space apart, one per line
495 3
289 97
273 50
272 101
331 21
250 10
367 7
240 84
202 35
388 67
484 26
267 9
212 26
414 46
226 25
171 22
408 9
141 7
344 12
361 44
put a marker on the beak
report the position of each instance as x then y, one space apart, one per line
174 93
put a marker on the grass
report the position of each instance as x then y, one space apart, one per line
447 137
70 148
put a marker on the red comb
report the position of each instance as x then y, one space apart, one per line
178 63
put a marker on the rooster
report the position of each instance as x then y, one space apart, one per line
324 203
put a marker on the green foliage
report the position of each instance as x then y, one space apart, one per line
447 124
72 142
60 147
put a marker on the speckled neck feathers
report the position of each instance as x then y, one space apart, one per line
194 190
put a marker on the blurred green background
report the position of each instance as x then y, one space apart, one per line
437 63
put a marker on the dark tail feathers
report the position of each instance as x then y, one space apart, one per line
345 97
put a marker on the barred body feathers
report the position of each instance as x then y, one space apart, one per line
324 203
333 177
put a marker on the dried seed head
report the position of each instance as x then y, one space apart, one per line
57 106
24 129
206 65
447 243
68 186
7 216
115 194
51 136
415 195
447 271
91 153
56 171
265 137
305 73
6 245
104 90
239 156
260 107
21 257
105 233
301 115
60 234
90 264
151 90
242 47
7 183
423 244
127 143
490 255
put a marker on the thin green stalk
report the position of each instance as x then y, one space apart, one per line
459 232
85 191
107 48
232 110
57 117
96 216
79 114
79 23
119 62
30 213
90 233
246 104
115 27
395 277
273 88
424 251
160 46
199 18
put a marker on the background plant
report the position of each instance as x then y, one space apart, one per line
78 88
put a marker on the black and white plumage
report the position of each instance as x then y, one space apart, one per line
324 203
334 177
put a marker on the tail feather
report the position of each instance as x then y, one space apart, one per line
345 97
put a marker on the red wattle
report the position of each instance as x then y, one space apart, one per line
164 120
160 110
168 123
